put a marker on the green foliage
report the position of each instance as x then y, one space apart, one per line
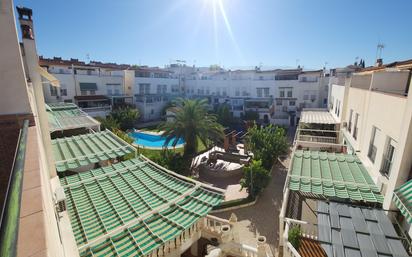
127 139
294 236
126 117
251 115
267 143
224 116
192 123
255 178
108 123
171 160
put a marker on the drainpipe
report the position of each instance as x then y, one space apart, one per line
32 61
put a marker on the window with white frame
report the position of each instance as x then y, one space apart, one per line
289 93
159 89
292 103
388 157
278 102
372 144
282 93
259 92
63 91
53 90
266 92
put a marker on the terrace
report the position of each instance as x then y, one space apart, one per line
318 130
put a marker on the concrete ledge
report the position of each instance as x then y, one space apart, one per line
235 207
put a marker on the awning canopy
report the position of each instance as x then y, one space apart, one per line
87 86
317 116
52 79
349 231
402 197
76 151
65 116
332 175
133 208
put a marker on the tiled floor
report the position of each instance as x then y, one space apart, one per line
32 241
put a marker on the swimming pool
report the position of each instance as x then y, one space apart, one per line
151 140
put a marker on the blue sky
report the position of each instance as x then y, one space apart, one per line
268 32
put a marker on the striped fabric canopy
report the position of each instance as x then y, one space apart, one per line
77 151
332 175
133 208
65 116
402 197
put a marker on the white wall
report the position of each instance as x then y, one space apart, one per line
14 97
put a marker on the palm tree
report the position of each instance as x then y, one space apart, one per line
191 122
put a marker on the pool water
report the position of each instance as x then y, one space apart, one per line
149 140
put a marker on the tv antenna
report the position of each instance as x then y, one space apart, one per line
379 49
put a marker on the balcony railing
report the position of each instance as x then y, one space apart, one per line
308 231
9 222
317 139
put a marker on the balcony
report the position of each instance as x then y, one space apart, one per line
100 111
308 239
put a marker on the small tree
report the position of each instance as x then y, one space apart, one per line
126 117
251 115
255 178
171 160
294 236
224 116
108 123
267 143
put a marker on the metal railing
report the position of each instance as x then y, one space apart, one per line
9 226
307 231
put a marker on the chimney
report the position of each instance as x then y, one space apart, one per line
379 62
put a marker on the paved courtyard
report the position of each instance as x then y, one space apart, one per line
263 217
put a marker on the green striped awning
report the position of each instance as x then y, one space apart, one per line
332 175
402 197
133 208
65 116
77 151
87 86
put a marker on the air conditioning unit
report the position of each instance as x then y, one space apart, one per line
60 199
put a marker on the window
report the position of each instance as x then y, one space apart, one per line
259 92
282 93
83 92
237 92
372 145
164 89
266 92
116 91
278 102
53 91
355 126
63 91
159 89
289 93
350 120
292 103
306 97
388 157
92 92
147 89
313 98
109 91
